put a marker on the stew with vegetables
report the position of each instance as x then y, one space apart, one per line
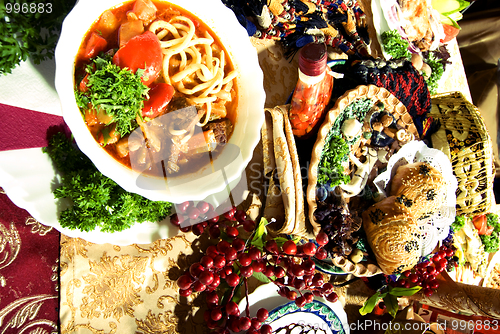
152 68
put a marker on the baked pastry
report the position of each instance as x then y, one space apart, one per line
393 236
420 188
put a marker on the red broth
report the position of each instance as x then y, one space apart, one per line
107 26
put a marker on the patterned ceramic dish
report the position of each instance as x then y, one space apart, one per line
229 164
325 316
29 178
314 317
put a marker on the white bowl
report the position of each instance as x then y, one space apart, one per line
250 115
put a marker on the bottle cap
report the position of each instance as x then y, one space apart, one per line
312 59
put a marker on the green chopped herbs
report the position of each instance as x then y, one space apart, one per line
395 45
336 149
330 167
116 91
437 70
492 242
30 29
458 224
98 202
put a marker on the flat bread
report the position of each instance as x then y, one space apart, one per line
285 198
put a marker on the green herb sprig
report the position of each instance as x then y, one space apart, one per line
97 201
116 91
330 167
395 45
30 30
458 224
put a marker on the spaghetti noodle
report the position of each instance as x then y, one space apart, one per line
194 65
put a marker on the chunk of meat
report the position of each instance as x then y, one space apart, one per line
221 128
145 10
108 23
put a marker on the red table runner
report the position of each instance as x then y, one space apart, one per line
29 266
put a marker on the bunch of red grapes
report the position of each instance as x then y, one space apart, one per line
228 264
424 274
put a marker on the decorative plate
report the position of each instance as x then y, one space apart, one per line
229 164
400 119
28 178
314 317
320 313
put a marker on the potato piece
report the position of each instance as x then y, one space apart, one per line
107 23
128 30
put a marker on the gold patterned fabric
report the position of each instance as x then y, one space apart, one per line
29 255
127 289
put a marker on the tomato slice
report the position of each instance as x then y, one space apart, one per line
159 96
95 45
142 51
83 86
481 224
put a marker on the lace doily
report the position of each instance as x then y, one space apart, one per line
437 227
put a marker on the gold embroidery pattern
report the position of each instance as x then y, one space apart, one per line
113 286
18 316
36 227
102 284
161 323
10 245
70 247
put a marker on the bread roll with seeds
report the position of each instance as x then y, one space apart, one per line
420 187
393 235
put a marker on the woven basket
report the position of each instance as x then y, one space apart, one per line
464 138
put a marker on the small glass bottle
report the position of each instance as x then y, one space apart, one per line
313 90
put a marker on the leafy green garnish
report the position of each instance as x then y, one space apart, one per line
395 45
458 224
437 70
390 296
260 234
492 242
116 91
30 29
330 167
97 200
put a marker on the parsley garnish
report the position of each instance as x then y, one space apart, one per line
28 33
330 166
116 91
458 224
437 70
395 45
97 200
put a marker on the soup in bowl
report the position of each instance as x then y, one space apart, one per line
166 98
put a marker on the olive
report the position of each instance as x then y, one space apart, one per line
321 194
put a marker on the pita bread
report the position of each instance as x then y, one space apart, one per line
284 201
